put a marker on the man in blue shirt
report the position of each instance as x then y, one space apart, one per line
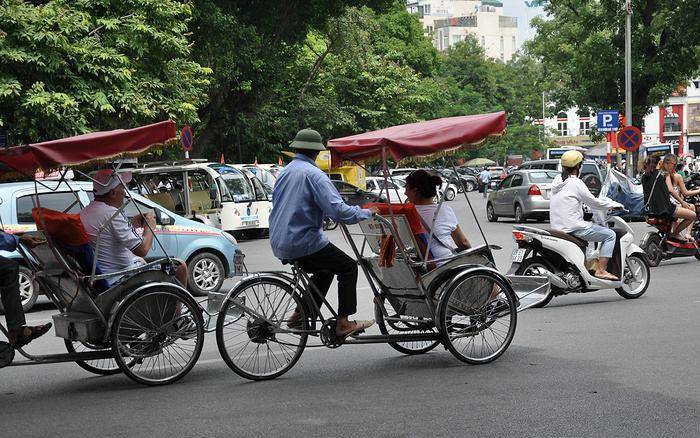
19 333
485 176
302 196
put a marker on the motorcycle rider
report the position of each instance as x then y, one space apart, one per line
569 194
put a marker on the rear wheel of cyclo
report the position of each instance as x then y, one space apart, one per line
477 317
157 335
259 344
415 325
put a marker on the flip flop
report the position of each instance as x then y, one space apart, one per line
34 332
359 328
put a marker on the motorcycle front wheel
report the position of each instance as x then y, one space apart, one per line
636 277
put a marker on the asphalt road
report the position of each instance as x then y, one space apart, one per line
586 365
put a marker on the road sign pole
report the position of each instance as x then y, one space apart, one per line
608 148
628 77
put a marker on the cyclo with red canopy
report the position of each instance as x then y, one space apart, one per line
460 301
140 320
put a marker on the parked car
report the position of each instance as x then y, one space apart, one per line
377 185
498 174
208 251
468 182
591 174
522 195
353 195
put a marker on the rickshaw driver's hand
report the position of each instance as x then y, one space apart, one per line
150 219
374 210
31 241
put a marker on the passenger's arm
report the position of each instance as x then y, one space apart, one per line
672 190
460 239
598 203
329 201
681 185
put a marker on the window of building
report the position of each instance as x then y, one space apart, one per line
584 127
502 45
429 29
445 42
671 123
426 9
512 41
456 39
562 124
483 41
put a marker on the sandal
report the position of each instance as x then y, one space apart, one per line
20 338
360 327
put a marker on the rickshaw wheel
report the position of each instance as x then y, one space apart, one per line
394 327
477 317
7 354
260 342
157 335
103 367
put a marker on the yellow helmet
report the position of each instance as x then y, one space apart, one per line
571 158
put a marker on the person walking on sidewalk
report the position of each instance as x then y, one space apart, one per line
485 177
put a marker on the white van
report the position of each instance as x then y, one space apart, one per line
212 193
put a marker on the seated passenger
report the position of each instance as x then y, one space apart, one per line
121 247
421 190
569 194
684 211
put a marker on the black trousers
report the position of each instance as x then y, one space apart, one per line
9 292
326 263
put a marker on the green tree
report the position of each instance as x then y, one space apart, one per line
72 66
581 47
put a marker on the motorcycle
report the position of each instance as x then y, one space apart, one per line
568 261
656 243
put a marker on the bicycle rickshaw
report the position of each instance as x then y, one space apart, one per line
461 301
145 323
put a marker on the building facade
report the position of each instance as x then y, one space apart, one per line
448 22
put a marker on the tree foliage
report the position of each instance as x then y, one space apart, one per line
581 47
72 66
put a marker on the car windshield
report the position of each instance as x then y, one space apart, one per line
543 177
239 188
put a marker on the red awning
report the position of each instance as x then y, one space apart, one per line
422 139
83 149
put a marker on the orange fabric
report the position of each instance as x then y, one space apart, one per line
64 228
387 251
409 210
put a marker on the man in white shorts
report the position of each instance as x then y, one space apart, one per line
121 247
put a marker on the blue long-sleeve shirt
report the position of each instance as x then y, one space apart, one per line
8 242
302 196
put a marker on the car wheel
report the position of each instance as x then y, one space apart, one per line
470 186
205 273
490 213
450 194
519 216
28 288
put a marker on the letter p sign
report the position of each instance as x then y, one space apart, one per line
608 121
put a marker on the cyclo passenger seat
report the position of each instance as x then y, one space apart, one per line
66 233
566 236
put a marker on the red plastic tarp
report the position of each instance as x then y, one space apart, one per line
82 149
421 139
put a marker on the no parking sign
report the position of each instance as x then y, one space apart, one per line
186 138
629 138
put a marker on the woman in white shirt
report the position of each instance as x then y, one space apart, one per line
421 190
569 194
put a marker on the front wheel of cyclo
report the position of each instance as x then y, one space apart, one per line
157 335
254 332
477 316
391 325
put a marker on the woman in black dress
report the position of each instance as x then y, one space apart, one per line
658 199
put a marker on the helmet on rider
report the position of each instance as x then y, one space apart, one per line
571 159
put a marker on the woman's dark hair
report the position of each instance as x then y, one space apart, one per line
425 182
568 171
650 164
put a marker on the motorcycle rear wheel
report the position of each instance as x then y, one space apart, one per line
653 250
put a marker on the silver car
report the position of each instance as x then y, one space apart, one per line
522 195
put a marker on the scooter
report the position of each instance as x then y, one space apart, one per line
656 243
563 258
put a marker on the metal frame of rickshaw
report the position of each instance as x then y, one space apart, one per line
300 282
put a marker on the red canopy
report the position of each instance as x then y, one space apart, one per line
420 139
85 148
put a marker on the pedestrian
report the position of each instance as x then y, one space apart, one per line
303 195
485 177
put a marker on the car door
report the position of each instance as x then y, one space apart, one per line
514 192
499 197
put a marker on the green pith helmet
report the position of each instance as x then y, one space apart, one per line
309 140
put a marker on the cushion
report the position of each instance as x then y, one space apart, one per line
63 228
414 222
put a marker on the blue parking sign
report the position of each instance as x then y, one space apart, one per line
608 120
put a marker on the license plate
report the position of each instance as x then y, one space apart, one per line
518 255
